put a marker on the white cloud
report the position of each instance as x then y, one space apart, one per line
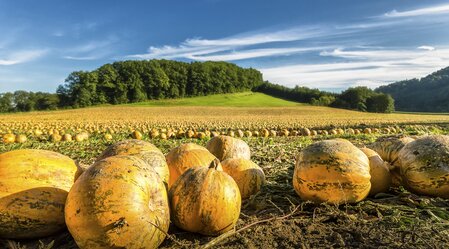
233 48
428 48
434 10
253 53
91 50
372 68
81 58
22 57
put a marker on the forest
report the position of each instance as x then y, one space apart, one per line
428 94
354 98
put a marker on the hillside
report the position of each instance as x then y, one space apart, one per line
428 94
244 99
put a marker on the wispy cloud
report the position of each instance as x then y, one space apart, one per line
91 50
371 68
236 47
434 10
428 48
21 57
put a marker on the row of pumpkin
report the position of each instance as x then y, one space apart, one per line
126 198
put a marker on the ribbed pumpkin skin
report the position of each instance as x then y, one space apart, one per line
143 150
225 147
186 156
116 203
379 171
248 175
33 189
425 165
333 171
388 149
205 201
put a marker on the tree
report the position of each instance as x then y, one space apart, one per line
6 102
383 103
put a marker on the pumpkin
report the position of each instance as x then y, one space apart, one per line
187 156
143 150
21 138
425 165
379 171
248 175
333 171
33 190
388 149
205 200
225 147
9 138
119 202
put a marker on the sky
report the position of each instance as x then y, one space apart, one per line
325 44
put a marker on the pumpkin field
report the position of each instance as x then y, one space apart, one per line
271 216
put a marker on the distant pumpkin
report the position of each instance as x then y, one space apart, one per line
205 200
425 165
225 147
187 156
248 175
119 202
333 171
379 171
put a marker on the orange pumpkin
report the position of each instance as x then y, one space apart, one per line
425 165
248 175
187 156
205 201
119 202
388 149
225 147
143 150
333 171
379 171
33 189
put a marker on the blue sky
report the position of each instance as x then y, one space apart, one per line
324 44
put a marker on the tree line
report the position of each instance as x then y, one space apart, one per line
23 101
136 81
428 94
354 98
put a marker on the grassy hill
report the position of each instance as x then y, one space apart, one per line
245 99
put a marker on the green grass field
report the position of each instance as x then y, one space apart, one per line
245 99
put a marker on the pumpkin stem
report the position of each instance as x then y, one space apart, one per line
214 164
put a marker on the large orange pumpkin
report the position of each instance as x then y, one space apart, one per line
388 149
379 171
33 189
118 202
225 147
333 171
187 156
248 175
425 165
143 150
205 200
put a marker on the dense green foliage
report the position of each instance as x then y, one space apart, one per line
428 94
298 94
137 81
356 98
364 99
22 101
